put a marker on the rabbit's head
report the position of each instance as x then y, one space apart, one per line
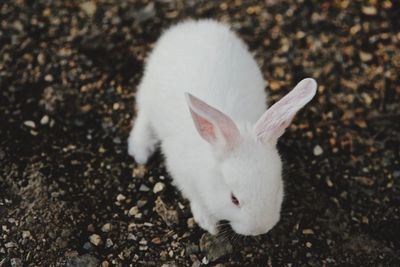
247 161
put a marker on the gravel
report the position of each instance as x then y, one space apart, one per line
68 77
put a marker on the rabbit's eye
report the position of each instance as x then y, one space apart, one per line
234 200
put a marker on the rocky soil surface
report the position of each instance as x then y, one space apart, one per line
71 196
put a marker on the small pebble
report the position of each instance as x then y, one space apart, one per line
365 56
133 211
308 244
30 124
26 234
158 187
106 227
41 58
116 106
95 239
87 246
156 241
10 245
144 188
48 78
308 232
141 203
121 197
44 120
139 171
318 150
190 223
89 8
109 243
369 10
329 182
143 248
132 237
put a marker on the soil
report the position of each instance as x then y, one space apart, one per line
71 196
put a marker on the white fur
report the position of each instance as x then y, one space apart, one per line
207 60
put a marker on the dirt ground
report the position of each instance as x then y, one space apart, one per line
71 196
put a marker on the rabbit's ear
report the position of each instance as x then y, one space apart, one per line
213 125
277 118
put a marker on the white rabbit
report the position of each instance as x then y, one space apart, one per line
226 162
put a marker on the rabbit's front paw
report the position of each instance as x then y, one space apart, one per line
205 220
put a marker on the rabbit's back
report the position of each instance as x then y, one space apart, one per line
208 60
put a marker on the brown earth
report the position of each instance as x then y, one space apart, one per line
71 196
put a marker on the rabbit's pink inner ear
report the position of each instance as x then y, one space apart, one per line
205 128
278 117
213 125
